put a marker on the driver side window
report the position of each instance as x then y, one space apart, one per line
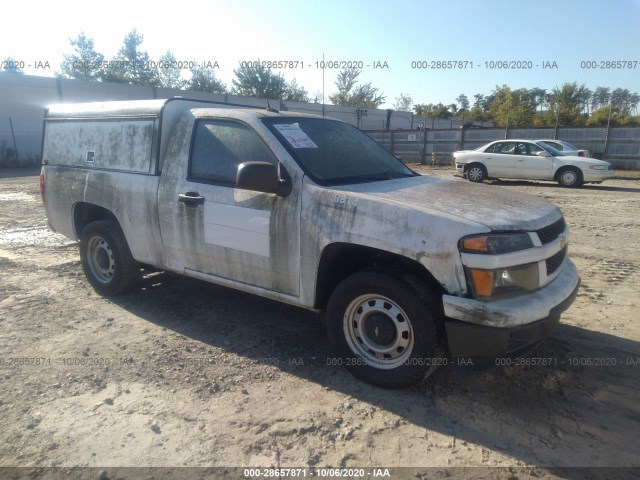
505 148
219 146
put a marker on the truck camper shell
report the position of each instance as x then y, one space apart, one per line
128 136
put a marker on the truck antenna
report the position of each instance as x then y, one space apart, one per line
269 109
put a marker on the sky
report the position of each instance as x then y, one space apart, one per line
543 43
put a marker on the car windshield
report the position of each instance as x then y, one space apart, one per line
333 152
551 150
569 146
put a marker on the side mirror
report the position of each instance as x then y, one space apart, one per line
263 177
543 153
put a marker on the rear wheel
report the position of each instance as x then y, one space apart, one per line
569 177
106 259
383 329
476 173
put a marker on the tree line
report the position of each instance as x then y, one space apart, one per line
133 65
570 104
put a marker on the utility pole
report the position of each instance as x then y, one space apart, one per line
15 145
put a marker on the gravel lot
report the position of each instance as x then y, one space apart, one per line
184 373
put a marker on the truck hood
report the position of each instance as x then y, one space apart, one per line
493 207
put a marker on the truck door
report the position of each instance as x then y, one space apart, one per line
210 227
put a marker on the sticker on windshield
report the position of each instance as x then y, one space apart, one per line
294 135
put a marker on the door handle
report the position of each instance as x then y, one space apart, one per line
521 159
191 198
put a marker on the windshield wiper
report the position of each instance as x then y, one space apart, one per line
387 175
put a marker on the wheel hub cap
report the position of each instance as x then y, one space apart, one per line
379 331
100 259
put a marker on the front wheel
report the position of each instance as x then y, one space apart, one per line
106 259
570 177
476 173
383 329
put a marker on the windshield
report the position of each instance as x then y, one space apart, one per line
333 152
551 150
569 146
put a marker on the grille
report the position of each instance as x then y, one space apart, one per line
550 233
554 262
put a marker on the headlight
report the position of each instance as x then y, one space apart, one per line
496 243
599 167
503 282
500 282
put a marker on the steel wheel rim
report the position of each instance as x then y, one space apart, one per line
475 174
371 315
569 177
100 259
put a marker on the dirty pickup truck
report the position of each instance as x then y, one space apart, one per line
312 212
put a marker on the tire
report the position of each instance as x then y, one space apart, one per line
569 177
476 173
383 329
106 259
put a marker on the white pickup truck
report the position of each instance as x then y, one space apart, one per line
310 211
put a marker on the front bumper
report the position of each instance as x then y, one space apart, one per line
506 327
589 176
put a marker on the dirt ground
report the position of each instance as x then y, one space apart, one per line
184 373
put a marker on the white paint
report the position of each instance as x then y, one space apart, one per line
240 228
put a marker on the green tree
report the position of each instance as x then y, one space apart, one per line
367 96
624 101
317 97
352 94
539 96
463 102
566 104
433 110
205 80
84 63
345 83
479 101
478 111
256 80
600 117
296 93
11 65
132 64
169 73
512 108
600 97
403 103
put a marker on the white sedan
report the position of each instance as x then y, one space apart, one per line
566 147
529 159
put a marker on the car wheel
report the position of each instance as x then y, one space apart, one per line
476 173
569 177
106 259
383 329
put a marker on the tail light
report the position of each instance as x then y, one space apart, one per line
581 153
42 187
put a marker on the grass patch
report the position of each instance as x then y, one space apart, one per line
627 174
